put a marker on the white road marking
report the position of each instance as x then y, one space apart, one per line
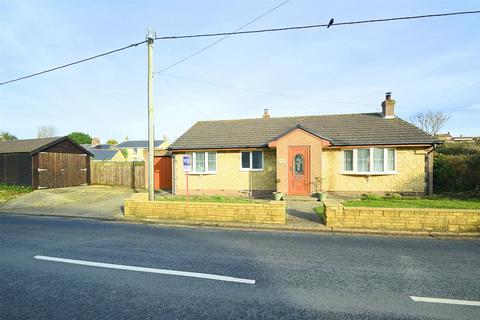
446 301
149 270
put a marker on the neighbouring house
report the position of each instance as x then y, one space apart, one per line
447 137
103 146
107 155
348 153
461 138
135 149
44 163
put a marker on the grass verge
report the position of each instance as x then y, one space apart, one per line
218 199
320 211
437 202
8 192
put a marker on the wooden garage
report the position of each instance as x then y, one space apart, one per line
44 163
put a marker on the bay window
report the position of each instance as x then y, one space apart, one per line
204 162
369 161
251 160
363 160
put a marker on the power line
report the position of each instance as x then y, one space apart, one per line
221 85
185 100
72 63
237 32
261 91
226 35
203 35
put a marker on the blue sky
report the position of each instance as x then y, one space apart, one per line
430 64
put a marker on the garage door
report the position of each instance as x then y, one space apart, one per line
57 170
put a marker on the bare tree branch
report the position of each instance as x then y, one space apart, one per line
46 132
430 121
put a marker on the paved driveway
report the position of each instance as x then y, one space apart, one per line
89 201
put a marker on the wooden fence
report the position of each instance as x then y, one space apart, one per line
127 174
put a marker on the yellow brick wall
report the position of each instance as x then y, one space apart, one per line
410 176
402 219
229 179
137 207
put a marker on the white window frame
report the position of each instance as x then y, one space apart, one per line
251 161
207 169
370 171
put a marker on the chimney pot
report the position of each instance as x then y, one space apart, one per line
388 106
266 115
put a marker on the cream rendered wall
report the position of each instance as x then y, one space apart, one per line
410 176
229 179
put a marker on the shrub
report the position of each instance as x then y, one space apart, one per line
371 197
457 167
459 148
395 196
80 137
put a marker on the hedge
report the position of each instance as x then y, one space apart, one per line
457 168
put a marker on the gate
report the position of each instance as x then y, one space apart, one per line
163 172
57 170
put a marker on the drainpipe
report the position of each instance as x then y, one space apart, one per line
430 172
173 174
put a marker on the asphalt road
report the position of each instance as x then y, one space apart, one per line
297 275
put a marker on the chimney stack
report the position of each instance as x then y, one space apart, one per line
266 115
388 106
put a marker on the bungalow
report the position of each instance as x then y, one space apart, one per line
347 153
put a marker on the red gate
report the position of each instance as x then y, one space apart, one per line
163 172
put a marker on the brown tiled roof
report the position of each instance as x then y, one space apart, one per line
341 130
33 145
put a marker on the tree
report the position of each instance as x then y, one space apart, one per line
430 121
80 137
112 142
46 132
6 136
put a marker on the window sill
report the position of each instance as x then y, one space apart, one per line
247 170
368 173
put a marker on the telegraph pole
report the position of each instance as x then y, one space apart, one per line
151 134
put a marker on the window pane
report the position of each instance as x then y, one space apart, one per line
363 160
257 159
245 160
212 161
378 160
200 162
298 165
348 160
391 159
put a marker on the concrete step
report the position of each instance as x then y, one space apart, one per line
301 198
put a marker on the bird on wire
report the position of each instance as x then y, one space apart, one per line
330 23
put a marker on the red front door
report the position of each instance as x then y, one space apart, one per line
163 172
299 170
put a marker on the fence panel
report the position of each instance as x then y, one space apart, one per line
127 174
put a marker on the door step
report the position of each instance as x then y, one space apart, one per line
300 198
